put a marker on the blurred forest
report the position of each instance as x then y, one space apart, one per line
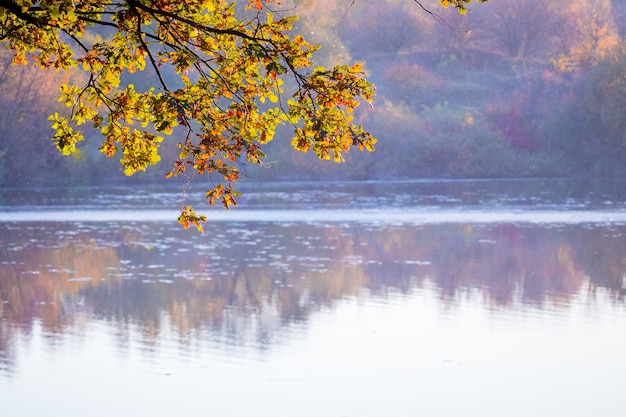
514 88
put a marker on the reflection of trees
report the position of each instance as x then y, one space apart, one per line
509 264
606 262
42 269
243 283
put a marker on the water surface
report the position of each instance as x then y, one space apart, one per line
354 299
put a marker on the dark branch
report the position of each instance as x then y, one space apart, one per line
203 28
439 18
27 16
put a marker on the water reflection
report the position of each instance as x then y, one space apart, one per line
244 283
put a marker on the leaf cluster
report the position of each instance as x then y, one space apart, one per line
224 102
460 5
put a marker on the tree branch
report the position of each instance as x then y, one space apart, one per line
203 28
16 9
439 18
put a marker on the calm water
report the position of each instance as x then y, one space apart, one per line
351 299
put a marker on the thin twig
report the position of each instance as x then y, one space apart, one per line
348 9
439 18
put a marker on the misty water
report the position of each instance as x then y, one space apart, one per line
434 298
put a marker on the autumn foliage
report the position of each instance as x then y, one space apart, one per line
201 89
218 83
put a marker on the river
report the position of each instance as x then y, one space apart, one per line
434 298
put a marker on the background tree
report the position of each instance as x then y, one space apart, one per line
27 95
591 31
368 31
605 96
517 30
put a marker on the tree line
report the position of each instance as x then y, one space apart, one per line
516 88
511 88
